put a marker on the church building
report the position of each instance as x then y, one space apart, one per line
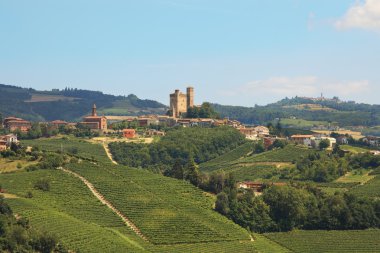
94 121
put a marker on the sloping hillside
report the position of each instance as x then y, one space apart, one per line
69 104
333 110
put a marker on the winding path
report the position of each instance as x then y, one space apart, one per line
108 152
104 201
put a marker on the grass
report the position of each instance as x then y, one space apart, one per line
354 150
256 172
227 158
74 146
329 241
288 154
167 211
310 107
301 123
370 189
359 176
49 98
69 211
7 165
354 134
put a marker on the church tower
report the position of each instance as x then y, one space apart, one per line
94 110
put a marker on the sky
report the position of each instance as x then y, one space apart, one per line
233 52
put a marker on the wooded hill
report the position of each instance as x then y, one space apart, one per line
333 111
69 104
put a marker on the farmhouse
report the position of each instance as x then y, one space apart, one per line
129 133
372 141
153 132
317 140
58 123
7 140
13 124
257 187
302 139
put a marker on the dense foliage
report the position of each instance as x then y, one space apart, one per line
71 104
202 144
204 111
345 113
284 208
16 235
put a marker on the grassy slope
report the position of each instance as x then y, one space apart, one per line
83 148
69 211
167 211
329 241
227 158
287 154
370 189
75 216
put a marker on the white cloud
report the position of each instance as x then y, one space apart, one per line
362 15
275 88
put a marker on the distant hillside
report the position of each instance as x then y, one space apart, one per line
70 104
331 110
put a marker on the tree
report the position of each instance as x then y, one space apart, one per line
222 203
287 206
192 172
325 143
177 170
258 147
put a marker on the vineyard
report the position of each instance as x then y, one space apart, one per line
167 211
329 241
73 146
288 154
229 157
371 189
69 211
256 172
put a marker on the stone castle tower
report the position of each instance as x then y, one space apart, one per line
179 102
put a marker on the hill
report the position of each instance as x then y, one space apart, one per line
69 104
173 215
312 111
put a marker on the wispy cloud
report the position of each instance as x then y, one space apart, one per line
280 87
362 15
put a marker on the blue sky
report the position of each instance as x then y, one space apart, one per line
238 52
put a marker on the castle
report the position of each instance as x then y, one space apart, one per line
179 102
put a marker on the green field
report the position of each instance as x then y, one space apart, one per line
329 241
69 211
166 210
354 150
227 158
74 146
359 176
371 189
256 172
301 123
288 154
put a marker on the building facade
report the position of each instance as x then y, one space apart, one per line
180 102
94 121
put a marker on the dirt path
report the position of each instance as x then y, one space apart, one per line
108 152
104 201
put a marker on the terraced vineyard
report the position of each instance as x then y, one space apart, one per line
370 189
70 212
166 210
288 154
73 146
256 172
227 158
329 241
